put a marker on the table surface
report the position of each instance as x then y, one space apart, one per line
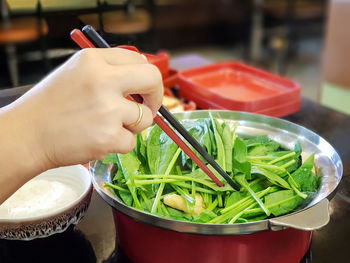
93 239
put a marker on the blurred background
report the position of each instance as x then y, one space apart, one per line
304 40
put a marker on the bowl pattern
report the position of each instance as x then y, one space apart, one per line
43 228
28 230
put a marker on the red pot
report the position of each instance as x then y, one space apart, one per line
143 243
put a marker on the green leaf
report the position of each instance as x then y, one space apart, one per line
128 163
272 177
118 176
178 215
126 197
240 150
257 218
204 217
258 140
242 181
141 152
110 158
160 150
198 173
259 184
297 149
239 162
282 202
234 197
263 149
220 147
212 138
227 142
295 157
200 131
242 167
305 178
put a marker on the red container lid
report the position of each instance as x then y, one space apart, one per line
282 110
236 86
172 78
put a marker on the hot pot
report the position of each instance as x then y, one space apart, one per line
146 238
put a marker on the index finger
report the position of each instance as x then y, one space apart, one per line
119 56
145 80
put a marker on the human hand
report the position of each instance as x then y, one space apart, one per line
80 111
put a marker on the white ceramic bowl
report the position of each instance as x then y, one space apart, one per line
57 219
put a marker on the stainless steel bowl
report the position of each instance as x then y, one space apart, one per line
314 216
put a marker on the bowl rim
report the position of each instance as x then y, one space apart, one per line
79 168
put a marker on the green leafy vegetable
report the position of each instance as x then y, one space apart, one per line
282 202
305 178
159 178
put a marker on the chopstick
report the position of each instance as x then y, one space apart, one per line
93 36
81 39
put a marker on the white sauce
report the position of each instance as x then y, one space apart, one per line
38 197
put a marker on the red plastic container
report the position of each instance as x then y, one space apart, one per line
143 243
172 78
236 86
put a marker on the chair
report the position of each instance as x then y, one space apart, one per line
14 31
124 24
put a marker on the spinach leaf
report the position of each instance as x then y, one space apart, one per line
272 177
129 165
282 202
212 138
305 178
141 153
259 184
243 182
160 150
239 161
290 168
204 217
126 197
240 150
198 173
242 167
220 147
258 140
234 197
118 176
257 218
178 215
199 130
110 158
227 142
263 149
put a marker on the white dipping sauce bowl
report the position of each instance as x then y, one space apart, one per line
41 224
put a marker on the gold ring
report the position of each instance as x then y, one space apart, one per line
139 118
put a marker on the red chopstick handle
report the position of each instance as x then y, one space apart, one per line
170 132
81 39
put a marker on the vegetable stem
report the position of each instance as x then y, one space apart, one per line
283 157
242 181
162 185
116 187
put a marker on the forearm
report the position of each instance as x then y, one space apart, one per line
18 162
